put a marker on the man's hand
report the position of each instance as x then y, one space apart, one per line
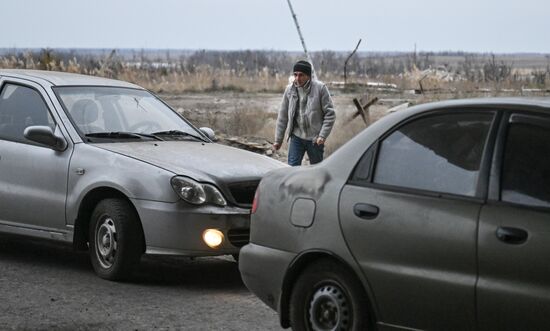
320 141
276 146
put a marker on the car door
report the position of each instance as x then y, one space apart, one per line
409 215
514 230
33 178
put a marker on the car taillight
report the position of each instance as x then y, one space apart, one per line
255 202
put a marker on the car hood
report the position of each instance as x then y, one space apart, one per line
201 161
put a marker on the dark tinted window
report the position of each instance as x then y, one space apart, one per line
362 170
438 153
526 169
21 107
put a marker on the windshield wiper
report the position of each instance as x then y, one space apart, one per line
176 133
122 135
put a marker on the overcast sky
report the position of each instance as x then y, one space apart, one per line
500 26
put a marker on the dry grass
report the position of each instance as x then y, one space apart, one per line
204 79
244 122
470 79
261 124
342 132
256 71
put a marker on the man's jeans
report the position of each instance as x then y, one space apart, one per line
298 147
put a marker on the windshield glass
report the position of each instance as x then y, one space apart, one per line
98 110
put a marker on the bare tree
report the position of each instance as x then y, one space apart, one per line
496 72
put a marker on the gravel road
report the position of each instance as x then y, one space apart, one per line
47 286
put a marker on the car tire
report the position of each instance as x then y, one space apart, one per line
327 297
116 239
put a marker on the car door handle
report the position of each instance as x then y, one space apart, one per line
510 235
365 211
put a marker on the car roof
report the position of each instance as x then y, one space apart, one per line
492 102
57 78
347 153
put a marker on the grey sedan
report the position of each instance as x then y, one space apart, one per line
105 165
433 218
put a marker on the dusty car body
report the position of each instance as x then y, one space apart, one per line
434 218
104 163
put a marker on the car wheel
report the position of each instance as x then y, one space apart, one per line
116 239
327 297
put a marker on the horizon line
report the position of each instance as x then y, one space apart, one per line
264 50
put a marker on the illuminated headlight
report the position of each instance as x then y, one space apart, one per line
197 193
212 237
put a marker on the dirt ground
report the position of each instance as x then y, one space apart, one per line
47 286
197 105
252 116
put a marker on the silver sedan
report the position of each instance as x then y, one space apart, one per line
433 218
106 165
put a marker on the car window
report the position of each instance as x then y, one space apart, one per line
526 166
440 153
21 107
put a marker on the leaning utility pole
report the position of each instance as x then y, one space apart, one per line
301 38
346 63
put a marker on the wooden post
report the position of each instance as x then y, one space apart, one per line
420 83
363 108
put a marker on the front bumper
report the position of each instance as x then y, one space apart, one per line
177 228
263 270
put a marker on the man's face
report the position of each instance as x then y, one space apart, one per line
300 78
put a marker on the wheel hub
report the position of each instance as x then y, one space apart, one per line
329 309
106 242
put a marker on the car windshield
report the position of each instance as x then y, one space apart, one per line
112 113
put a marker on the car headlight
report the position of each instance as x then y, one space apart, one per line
197 193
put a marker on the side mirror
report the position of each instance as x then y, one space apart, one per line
44 135
208 132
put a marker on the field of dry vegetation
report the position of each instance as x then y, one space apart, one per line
237 93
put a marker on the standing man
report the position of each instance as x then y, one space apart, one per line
308 113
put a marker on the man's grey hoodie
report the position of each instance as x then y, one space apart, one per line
316 120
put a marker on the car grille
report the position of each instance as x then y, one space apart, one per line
243 192
239 237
